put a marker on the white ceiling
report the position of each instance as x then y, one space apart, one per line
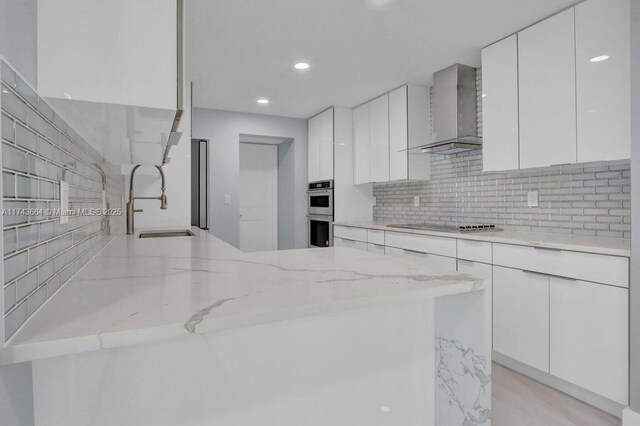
241 50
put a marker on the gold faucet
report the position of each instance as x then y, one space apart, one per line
130 207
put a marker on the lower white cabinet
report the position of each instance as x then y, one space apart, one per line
375 248
521 316
342 242
434 261
477 269
589 336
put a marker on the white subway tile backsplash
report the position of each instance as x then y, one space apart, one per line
26 285
15 266
45 147
14 319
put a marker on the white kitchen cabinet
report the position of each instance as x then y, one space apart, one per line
384 131
589 336
350 233
500 139
613 270
409 127
375 248
603 86
361 148
320 151
422 243
429 260
521 316
477 269
547 105
379 139
114 72
343 242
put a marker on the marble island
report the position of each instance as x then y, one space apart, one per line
190 330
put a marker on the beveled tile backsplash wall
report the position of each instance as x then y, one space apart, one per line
591 199
38 151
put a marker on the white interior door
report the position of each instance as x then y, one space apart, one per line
258 197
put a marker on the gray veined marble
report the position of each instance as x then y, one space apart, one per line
461 375
197 318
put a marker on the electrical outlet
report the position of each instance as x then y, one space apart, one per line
64 201
532 198
227 199
375 201
416 201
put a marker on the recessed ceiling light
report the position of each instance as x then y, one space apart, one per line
599 58
263 101
301 66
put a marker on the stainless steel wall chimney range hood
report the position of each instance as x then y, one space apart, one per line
454 109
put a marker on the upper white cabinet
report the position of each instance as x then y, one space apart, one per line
603 80
320 156
113 70
361 149
547 79
384 131
590 336
379 139
558 92
409 127
500 140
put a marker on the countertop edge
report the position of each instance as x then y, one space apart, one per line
120 339
482 236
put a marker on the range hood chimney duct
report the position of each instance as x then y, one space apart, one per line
454 106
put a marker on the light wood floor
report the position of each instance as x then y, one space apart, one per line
520 401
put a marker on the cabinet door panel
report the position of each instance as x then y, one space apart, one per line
398 128
500 140
547 76
313 154
361 147
602 28
589 336
325 149
521 316
379 137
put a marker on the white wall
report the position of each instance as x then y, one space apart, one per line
18 36
177 182
16 395
223 129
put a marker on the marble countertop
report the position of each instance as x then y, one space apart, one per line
143 290
597 245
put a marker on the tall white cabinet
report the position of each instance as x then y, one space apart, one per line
379 139
602 30
385 129
500 105
361 149
566 99
321 147
547 75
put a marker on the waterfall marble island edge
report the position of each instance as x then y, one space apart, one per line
360 338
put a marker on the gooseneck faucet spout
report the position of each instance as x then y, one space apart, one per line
130 204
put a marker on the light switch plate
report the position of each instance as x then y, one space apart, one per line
532 198
64 201
416 201
227 199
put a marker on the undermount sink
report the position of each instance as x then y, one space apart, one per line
172 233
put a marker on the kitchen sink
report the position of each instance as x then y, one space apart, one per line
162 234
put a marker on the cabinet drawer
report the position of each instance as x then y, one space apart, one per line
434 261
375 248
422 243
480 270
350 233
613 270
375 236
341 242
478 251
